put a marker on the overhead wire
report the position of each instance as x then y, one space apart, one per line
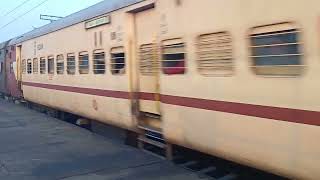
38 5
15 8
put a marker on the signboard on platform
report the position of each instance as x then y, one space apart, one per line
98 22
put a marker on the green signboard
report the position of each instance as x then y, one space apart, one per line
98 22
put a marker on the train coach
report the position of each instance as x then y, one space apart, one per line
13 86
3 89
9 86
221 77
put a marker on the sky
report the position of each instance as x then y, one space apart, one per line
32 20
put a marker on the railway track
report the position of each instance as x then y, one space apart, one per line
206 166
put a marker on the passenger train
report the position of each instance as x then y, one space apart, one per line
234 79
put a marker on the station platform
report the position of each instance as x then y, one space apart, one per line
34 146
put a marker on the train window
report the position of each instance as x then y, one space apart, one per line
51 65
23 66
11 67
118 62
60 64
71 64
29 66
276 50
149 62
84 63
173 57
42 65
35 66
99 62
215 54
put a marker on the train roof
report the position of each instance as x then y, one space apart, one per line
99 9
3 44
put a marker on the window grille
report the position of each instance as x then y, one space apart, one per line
173 57
149 63
99 62
29 66
277 51
118 64
215 54
51 65
71 64
42 65
60 64
35 66
84 63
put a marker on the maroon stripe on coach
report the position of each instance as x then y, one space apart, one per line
147 96
96 92
269 112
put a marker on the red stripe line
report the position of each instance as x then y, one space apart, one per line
268 112
147 96
275 113
96 92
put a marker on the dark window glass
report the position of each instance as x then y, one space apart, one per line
42 66
118 62
51 65
60 64
279 37
29 67
173 59
278 51
71 64
99 64
277 61
84 64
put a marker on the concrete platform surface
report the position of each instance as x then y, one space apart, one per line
34 146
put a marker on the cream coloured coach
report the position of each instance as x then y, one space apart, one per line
235 79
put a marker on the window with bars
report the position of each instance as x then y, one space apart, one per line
173 57
99 62
23 66
149 62
84 63
60 64
71 64
276 50
118 61
214 53
51 65
35 66
42 65
29 66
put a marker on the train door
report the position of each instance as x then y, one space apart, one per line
149 122
17 68
149 87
